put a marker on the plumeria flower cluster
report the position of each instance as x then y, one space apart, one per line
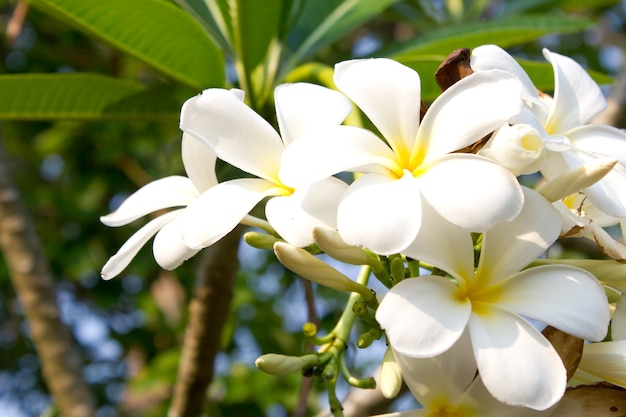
429 202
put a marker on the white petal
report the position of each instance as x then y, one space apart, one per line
510 246
517 364
567 298
380 213
577 98
471 191
157 195
519 148
606 194
127 252
600 140
295 216
318 155
487 57
485 405
618 324
168 248
423 317
443 244
219 209
606 361
442 377
199 162
467 111
301 107
388 93
228 126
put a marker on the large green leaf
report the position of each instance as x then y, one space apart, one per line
323 22
255 29
211 19
504 32
84 97
155 31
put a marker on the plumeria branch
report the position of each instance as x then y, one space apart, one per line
34 285
208 311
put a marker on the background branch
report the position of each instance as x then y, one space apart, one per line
208 312
34 285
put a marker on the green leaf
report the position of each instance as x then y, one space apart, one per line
210 18
255 30
84 97
155 31
504 32
323 22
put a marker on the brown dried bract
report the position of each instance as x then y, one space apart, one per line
453 68
569 348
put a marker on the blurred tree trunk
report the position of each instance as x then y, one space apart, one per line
34 285
208 312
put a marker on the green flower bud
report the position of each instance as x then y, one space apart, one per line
260 240
397 269
309 329
364 340
390 376
276 364
330 371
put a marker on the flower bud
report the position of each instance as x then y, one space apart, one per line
518 147
390 376
308 266
276 364
364 340
333 245
309 329
397 269
260 240
576 179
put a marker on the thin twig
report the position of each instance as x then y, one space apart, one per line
307 382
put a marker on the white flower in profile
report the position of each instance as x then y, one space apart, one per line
446 385
425 316
245 140
381 209
169 192
562 122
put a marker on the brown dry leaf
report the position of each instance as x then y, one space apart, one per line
569 348
600 400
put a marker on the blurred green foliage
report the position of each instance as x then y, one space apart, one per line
70 172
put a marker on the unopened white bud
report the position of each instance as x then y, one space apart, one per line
309 267
276 364
390 376
576 179
332 244
260 240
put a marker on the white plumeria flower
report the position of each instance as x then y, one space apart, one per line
562 123
583 219
245 140
169 192
447 385
425 316
381 210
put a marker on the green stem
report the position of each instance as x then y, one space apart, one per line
344 325
252 221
